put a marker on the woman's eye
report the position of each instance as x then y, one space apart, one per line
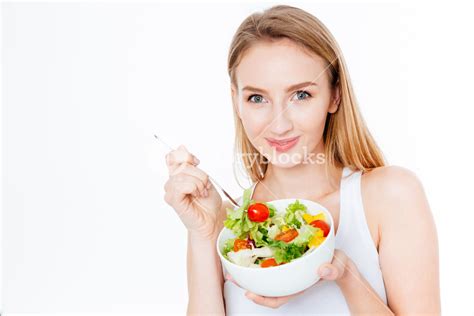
302 95
256 98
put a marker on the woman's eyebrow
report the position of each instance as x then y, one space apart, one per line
290 88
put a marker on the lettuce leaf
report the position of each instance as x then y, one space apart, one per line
242 227
238 221
228 246
294 213
271 208
285 252
305 233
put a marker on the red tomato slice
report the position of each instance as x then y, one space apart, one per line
258 212
287 236
240 244
321 224
268 263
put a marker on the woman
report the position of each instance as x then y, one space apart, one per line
292 99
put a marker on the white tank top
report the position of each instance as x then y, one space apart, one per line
353 237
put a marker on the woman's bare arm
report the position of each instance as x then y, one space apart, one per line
408 247
205 280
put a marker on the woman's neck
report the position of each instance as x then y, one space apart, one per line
300 180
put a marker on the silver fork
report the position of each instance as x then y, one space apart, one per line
210 178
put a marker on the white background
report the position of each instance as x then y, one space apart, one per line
85 87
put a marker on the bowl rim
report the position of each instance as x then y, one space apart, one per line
325 210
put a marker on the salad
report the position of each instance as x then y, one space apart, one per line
265 238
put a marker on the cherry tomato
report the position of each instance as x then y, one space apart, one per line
287 236
321 224
258 212
268 263
240 244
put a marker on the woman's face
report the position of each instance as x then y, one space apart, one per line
283 92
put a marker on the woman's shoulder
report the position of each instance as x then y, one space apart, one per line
394 192
391 181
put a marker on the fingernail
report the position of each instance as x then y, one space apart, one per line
249 295
325 272
196 161
208 185
206 194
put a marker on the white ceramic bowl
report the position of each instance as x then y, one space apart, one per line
289 278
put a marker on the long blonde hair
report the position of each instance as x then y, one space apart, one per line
347 140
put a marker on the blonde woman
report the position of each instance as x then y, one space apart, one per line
292 97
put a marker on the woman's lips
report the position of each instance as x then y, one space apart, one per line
284 144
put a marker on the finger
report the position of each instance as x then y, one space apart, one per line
328 272
182 154
176 157
173 162
334 270
178 196
181 185
272 302
192 170
229 277
196 176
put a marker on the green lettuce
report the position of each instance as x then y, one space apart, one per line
228 246
240 224
242 227
285 252
294 213
305 234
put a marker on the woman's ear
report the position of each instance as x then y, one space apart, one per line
335 101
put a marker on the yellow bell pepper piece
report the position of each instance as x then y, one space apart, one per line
310 218
319 233
317 239
285 228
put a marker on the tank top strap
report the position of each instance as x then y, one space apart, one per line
347 202
344 195
253 189
352 219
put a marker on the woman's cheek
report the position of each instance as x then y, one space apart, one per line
312 115
312 122
255 124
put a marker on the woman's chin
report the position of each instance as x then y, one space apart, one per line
285 159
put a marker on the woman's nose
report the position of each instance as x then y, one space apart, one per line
281 122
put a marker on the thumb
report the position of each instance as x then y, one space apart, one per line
187 155
335 269
329 272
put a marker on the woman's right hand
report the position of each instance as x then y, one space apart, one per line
186 190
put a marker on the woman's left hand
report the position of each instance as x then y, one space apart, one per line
338 270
